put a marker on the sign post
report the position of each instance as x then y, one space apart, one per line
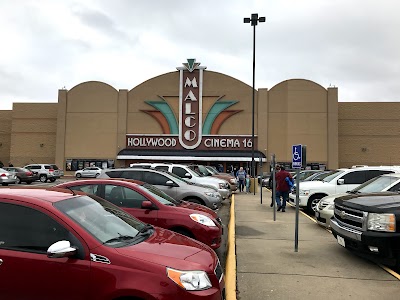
296 164
273 184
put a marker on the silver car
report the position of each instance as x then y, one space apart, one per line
170 184
6 177
88 172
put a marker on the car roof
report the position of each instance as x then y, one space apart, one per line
34 194
100 180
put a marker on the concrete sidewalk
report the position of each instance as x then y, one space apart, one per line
268 267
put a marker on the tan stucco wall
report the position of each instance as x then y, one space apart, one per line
369 133
298 113
5 135
33 133
91 121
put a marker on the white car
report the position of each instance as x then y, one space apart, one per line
340 181
325 208
88 172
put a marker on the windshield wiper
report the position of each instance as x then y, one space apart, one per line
145 230
119 238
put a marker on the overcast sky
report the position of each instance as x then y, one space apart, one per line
50 44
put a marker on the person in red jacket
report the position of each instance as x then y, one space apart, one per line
282 187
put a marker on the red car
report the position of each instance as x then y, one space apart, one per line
59 244
150 205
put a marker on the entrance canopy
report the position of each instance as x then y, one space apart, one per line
191 155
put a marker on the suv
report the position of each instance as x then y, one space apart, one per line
368 225
45 171
186 172
88 248
172 185
340 181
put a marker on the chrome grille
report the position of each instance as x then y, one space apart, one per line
218 271
351 217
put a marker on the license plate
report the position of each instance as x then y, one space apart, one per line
340 241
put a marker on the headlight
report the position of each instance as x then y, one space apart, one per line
190 280
202 219
212 194
304 192
381 222
222 185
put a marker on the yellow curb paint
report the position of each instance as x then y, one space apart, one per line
230 273
390 271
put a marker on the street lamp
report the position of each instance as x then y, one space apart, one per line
253 22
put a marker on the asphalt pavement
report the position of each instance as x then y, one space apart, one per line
267 266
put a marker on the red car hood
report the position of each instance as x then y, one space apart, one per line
202 208
171 249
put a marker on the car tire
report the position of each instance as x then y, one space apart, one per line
52 179
97 175
183 231
79 175
18 181
312 203
43 178
195 200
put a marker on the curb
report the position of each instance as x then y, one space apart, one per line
230 274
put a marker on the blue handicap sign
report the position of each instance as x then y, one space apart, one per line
296 156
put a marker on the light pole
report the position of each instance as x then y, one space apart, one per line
253 22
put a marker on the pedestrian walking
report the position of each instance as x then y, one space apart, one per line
282 187
248 182
241 176
271 186
10 164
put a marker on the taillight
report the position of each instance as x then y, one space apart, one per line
3 175
28 173
51 170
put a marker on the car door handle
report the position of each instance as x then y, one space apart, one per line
1 261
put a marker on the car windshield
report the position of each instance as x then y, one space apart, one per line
195 171
332 175
374 185
177 177
103 220
159 195
212 170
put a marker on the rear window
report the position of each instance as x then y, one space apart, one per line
114 174
54 167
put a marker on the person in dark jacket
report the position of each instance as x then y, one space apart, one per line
282 188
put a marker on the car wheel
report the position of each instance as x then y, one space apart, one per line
52 179
18 181
195 200
97 175
312 204
78 175
43 178
183 231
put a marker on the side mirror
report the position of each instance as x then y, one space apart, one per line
187 175
170 183
340 181
61 249
147 205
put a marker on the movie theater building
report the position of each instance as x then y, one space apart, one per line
196 115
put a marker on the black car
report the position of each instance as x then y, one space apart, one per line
23 175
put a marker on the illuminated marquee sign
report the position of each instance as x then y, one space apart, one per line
190 131
190 104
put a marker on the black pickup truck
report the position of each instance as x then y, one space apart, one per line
369 225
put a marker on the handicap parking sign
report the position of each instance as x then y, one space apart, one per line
296 156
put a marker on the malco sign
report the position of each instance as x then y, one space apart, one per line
190 132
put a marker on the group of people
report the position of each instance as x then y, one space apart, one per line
284 182
243 180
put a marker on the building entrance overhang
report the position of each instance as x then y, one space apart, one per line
191 155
